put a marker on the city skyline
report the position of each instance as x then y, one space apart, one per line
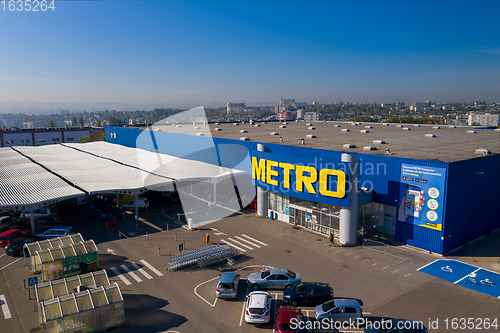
184 54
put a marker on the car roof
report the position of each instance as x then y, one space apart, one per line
287 313
316 285
227 276
279 271
8 232
19 240
346 302
258 298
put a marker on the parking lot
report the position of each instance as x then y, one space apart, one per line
157 300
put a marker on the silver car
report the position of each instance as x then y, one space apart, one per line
227 287
339 309
274 278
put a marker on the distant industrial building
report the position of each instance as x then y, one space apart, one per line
33 137
312 116
286 105
235 107
484 119
287 115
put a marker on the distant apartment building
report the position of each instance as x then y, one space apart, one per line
300 113
286 105
287 115
437 117
484 119
312 116
11 123
235 107
34 137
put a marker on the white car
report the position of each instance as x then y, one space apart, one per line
56 232
258 307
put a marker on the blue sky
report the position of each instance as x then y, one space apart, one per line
205 52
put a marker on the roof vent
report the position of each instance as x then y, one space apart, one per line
346 130
274 133
368 126
301 141
173 124
200 134
436 127
380 142
471 132
497 129
354 124
349 145
337 125
309 124
244 138
196 127
417 125
370 148
310 136
243 131
430 135
216 123
452 126
218 129
406 129
179 126
399 125
282 126
285 123
257 125
311 128
235 124
483 151
385 124
364 131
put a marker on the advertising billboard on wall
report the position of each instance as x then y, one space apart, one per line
303 177
422 195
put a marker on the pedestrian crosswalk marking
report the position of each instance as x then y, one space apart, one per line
124 279
244 240
132 274
235 246
253 239
5 307
148 265
240 243
143 272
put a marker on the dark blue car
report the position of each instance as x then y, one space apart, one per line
310 293
108 213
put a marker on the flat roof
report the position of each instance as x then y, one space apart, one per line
448 143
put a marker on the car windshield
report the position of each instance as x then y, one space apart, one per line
290 273
3 237
328 305
257 311
284 327
265 274
299 288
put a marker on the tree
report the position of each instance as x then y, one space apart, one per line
52 123
80 121
74 122
103 136
114 121
98 123
85 139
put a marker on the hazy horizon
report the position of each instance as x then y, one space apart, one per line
141 55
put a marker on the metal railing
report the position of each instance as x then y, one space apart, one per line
394 251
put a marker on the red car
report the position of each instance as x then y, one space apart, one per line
8 236
288 319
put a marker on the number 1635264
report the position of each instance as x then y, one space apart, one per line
28 6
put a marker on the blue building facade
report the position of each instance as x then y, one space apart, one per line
432 205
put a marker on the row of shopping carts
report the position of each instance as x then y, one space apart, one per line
206 256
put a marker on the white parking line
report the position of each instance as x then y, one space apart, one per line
340 250
3 255
385 267
10 263
236 247
255 240
395 271
240 243
375 264
132 274
244 240
5 307
242 313
348 253
366 260
466 276
143 272
196 293
148 265
407 274
124 279
356 257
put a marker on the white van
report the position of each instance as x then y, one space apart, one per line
142 203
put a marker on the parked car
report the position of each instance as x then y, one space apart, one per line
15 248
142 203
339 309
390 325
97 204
83 200
258 307
5 219
56 232
287 317
10 235
45 211
227 287
310 293
44 220
108 213
274 278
